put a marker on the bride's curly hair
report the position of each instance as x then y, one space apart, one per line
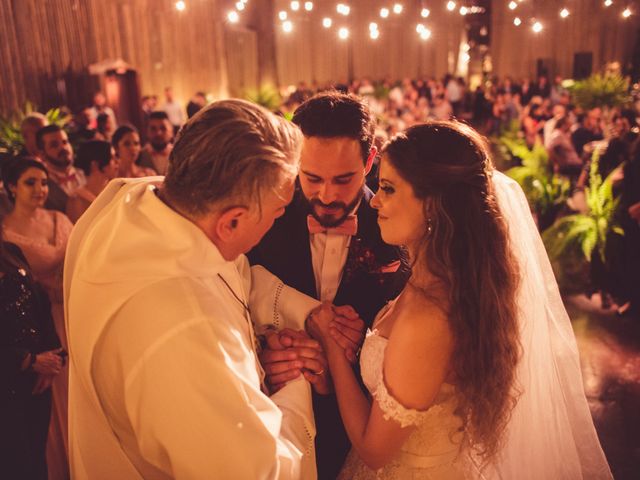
466 248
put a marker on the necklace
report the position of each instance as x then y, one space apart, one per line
247 310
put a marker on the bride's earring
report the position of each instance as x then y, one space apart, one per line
429 227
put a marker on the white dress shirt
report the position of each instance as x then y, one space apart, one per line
328 255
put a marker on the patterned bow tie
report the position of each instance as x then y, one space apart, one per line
348 227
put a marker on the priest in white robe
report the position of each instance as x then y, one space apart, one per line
164 374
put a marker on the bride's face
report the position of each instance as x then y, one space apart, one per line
400 212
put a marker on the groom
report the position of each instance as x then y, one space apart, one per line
327 244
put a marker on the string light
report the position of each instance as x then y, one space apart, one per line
626 13
240 6
343 33
397 8
464 11
425 34
537 27
308 6
180 6
343 9
233 16
374 34
425 13
295 6
513 5
564 13
373 26
451 6
282 15
287 26
419 28
608 3
384 12
327 22
517 22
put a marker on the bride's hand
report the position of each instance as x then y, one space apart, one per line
319 322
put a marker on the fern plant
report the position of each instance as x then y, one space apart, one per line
604 91
545 191
587 232
266 96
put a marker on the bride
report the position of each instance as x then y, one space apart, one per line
473 370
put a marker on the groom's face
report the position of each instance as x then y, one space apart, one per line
332 175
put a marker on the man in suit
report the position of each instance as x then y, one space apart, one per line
328 245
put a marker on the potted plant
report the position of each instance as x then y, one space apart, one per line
588 233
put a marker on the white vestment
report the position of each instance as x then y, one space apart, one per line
164 379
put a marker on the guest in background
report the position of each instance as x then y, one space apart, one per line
155 154
79 130
562 155
57 154
104 128
173 109
29 127
30 358
589 130
98 162
126 142
42 236
198 101
100 106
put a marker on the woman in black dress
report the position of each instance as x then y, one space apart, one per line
30 357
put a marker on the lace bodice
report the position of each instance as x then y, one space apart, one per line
432 451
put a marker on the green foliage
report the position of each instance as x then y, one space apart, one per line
608 91
381 92
545 191
11 141
266 96
587 232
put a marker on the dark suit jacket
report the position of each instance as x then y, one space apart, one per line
285 251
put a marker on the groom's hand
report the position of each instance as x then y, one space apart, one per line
347 329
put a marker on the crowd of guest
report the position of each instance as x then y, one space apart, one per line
60 171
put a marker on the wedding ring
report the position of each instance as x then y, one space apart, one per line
320 372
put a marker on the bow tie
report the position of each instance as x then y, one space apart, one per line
348 227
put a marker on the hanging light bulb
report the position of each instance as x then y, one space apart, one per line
512 5
626 13
425 34
397 8
537 27
308 6
374 34
180 6
327 22
295 6
239 6
419 28
233 16
343 33
608 3
425 12
282 15
287 26
451 6
517 22
384 12
464 11
564 13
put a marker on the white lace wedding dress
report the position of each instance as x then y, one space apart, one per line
432 451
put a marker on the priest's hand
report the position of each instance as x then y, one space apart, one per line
289 354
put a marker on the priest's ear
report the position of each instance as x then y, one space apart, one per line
229 223
372 155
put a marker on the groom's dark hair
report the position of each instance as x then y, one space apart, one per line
334 114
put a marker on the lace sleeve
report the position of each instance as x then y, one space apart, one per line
394 410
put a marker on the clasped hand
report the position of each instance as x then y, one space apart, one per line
289 353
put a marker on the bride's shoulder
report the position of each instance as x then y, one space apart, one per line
418 354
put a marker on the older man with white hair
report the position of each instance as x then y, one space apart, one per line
165 380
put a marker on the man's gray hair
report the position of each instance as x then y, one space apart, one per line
34 119
228 154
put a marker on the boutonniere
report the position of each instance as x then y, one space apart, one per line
361 258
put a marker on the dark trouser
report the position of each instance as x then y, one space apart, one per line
24 425
332 443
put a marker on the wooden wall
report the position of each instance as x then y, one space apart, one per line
47 45
312 53
590 27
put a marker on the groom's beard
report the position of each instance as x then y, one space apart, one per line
330 221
